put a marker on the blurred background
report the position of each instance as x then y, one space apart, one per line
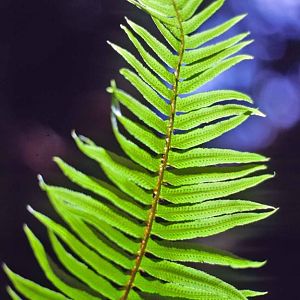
54 68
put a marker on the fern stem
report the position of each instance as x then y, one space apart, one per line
163 164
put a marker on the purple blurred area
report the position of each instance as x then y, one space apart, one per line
54 68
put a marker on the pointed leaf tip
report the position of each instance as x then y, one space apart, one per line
110 90
41 181
262 263
110 43
113 83
26 228
30 209
242 16
247 33
84 139
259 113
251 294
122 71
4 266
56 159
269 207
129 22
250 57
273 212
6 269
73 134
40 178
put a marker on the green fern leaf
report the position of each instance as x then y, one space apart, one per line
13 295
127 237
206 99
191 252
196 21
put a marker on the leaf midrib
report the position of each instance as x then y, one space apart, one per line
163 164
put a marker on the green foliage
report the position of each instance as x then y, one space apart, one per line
127 238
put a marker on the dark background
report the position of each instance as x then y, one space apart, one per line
54 68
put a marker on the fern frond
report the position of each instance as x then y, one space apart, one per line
128 237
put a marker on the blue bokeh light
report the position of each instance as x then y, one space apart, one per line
273 25
279 99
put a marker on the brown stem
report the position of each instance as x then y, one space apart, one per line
163 164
